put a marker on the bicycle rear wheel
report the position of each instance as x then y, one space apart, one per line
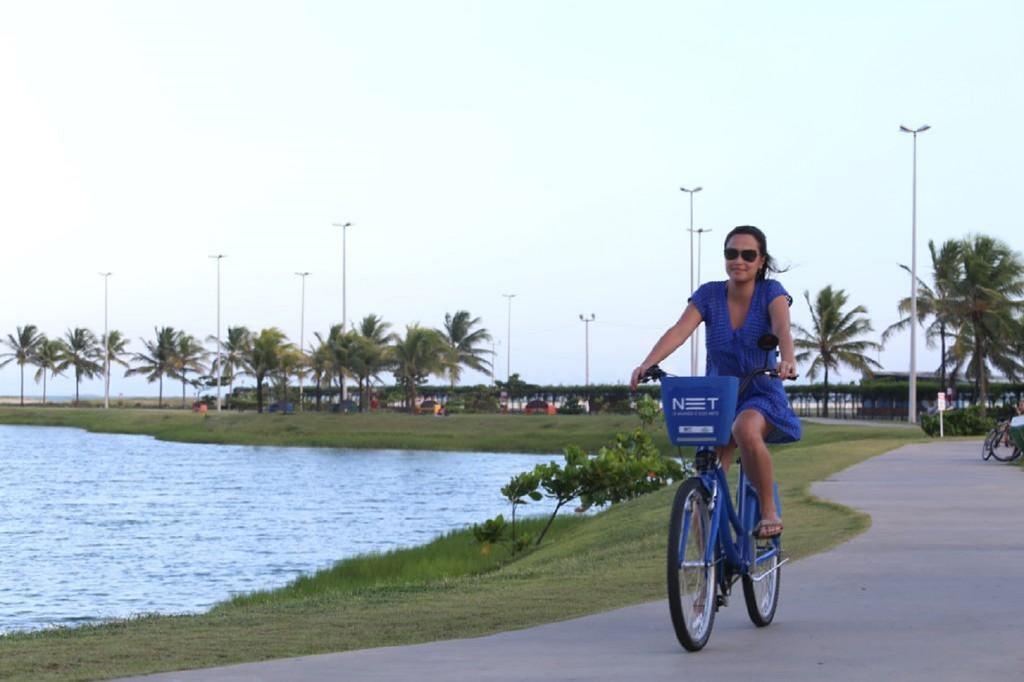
1003 447
691 582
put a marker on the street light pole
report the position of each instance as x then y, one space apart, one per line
106 344
696 334
220 364
586 326
302 330
508 339
344 309
912 408
693 346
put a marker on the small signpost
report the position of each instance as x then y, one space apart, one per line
941 399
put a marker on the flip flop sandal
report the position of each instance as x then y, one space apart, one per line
767 523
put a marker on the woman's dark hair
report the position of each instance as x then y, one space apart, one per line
762 242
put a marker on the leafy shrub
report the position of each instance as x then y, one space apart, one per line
518 489
571 406
482 400
630 466
455 406
965 422
490 533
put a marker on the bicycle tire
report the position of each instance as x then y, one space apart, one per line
761 587
692 589
986 445
1003 449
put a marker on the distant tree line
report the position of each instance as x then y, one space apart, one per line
973 309
268 357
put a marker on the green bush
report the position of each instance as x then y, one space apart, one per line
482 400
571 406
630 466
966 422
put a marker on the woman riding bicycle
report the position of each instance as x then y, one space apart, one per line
736 313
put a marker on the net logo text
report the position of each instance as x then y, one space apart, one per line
695 404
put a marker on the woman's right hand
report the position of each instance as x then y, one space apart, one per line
634 380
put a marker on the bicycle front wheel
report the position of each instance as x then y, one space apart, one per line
761 584
986 446
691 580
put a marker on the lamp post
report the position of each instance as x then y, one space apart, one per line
494 358
106 344
586 326
508 339
344 310
302 330
912 408
696 334
693 346
220 365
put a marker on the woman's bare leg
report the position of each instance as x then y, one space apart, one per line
725 452
749 431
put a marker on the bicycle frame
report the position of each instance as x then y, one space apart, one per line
729 523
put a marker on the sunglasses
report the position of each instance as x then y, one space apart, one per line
749 255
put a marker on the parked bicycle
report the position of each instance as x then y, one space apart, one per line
999 443
711 542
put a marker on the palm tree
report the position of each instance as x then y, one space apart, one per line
48 359
232 354
23 347
116 350
464 345
985 299
188 356
158 359
934 302
290 361
338 348
82 351
417 356
372 354
263 358
833 340
320 366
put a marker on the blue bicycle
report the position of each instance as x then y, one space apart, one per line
711 543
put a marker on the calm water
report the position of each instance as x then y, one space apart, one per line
98 526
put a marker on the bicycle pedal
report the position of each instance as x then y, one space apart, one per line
720 601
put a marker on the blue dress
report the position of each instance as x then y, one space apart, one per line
734 352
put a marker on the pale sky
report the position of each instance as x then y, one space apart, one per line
483 148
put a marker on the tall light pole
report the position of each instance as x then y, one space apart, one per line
302 329
494 358
696 334
220 364
344 310
586 326
508 339
693 345
912 408
106 345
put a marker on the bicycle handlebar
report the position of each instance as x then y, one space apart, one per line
654 372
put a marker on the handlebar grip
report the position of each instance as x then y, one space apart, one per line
653 372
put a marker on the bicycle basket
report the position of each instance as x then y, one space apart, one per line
1017 431
699 410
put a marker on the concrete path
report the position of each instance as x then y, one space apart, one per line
873 423
933 591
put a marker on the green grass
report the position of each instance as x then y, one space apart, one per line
447 589
464 432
